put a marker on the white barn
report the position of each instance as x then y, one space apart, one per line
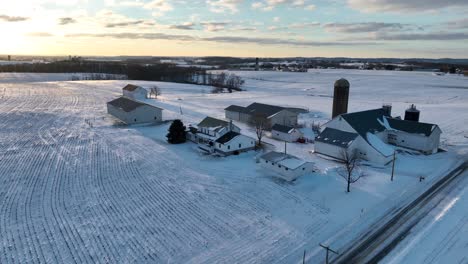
133 112
370 135
135 92
285 133
285 166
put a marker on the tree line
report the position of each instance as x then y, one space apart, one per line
151 72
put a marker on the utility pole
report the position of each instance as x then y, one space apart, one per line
328 249
393 165
285 148
303 257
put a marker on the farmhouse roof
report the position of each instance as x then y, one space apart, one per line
281 128
128 105
411 126
212 122
336 137
227 137
130 87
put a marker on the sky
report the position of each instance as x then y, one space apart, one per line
240 28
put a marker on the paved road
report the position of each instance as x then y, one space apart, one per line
381 241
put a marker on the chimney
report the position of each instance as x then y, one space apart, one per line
387 109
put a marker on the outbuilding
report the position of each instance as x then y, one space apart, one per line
133 112
286 133
285 166
135 92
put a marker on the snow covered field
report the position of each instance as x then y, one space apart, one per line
76 188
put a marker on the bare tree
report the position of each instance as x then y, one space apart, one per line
350 170
261 123
155 91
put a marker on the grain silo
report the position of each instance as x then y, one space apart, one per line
412 114
340 97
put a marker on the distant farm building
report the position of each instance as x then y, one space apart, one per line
135 92
285 166
269 114
218 136
285 133
369 133
133 112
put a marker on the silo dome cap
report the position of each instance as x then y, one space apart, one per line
342 83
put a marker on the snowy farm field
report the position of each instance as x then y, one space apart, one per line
76 187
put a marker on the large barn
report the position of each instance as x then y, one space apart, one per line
269 114
133 112
370 134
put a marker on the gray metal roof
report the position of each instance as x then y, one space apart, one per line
212 122
274 156
237 108
336 137
264 109
412 126
366 121
227 137
127 104
281 128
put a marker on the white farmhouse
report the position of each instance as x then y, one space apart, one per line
369 133
135 92
133 112
218 136
285 133
285 166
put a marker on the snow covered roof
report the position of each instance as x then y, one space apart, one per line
281 128
237 108
130 87
379 145
336 137
265 109
366 121
286 160
127 104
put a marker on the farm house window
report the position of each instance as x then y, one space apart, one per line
266 161
279 166
134 119
303 168
155 118
219 145
286 168
229 147
240 146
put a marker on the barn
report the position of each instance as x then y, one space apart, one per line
133 112
135 92
285 133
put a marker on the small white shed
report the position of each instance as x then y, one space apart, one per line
285 133
135 92
287 167
133 112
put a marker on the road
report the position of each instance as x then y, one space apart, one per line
378 243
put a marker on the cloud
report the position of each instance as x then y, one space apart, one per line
221 6
295 26
184 26
214 26
268 5
222 39
457 24
66 21
13 18
404 5
444 36
362 27
158 7
125 24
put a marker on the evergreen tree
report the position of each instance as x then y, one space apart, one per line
176 133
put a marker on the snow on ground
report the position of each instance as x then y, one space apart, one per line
76 187
440 237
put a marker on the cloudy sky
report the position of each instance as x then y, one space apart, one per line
257 28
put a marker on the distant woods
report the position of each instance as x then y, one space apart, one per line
150 72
